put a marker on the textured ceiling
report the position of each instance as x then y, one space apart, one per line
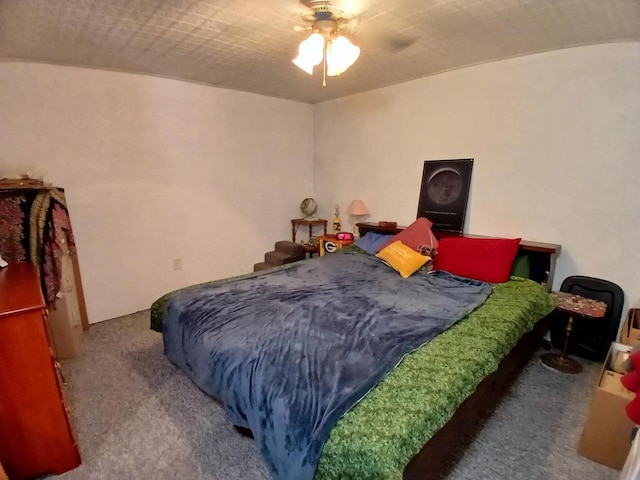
248 44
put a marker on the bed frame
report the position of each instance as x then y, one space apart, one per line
439 454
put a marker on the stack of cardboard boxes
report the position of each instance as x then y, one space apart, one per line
606 437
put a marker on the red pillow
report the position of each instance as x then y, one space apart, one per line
485 259
416 235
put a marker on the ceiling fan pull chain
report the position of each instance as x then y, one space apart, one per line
324 65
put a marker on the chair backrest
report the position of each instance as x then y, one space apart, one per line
592 339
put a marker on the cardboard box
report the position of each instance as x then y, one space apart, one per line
610 382
606 437
630 332
618 364
64 319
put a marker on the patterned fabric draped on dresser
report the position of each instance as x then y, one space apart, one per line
33 223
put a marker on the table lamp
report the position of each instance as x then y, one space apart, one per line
356 209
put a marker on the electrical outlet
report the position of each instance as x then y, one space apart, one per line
177 264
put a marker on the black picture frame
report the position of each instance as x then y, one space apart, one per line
444 193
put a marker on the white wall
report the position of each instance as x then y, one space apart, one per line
157 169
556 143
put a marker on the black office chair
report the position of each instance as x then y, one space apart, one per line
590 339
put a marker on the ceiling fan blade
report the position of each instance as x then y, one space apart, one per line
349 25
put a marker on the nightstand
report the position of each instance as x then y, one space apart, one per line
296 222
329 244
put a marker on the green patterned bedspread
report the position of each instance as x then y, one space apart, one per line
377 438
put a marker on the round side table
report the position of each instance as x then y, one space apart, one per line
575 306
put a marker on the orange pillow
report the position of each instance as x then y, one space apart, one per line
402 259
416 235
485 259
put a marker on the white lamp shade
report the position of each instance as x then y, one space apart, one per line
310 53
341 54
357 207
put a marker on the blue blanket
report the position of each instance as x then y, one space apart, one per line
289 352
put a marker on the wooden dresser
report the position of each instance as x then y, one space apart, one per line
35 433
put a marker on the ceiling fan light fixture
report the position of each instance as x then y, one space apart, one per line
341 54
310 53
326 43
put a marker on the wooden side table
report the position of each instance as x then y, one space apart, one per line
575 306
296 222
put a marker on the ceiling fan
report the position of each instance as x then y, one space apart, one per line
326 44
319 9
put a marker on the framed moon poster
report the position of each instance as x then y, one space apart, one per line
444 193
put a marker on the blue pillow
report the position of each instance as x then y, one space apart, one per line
372 242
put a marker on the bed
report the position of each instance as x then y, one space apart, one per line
402 424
